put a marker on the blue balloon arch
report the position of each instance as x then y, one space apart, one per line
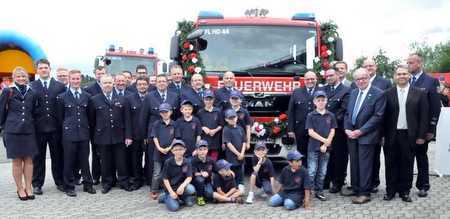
22 41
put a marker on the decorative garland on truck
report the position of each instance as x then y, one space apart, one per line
327 49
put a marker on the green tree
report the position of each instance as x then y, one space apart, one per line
87 80
436 58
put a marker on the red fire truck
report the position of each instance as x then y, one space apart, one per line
269 57
120 60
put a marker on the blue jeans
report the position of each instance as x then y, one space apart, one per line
157 167
317 168
277 200
203 188
174 204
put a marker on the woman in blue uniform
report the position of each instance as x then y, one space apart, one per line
17 104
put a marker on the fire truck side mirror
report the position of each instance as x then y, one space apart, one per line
174 47
339 54
195 34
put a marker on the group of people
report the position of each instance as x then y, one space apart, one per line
193 140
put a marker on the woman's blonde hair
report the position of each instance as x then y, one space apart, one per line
20 70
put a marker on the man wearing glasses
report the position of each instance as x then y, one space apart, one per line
362 126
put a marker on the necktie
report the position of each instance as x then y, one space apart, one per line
200 93
356 107
109 97
178 86
163 97
121 93
45 85
142 98
310 92
401 122
413 80
77 95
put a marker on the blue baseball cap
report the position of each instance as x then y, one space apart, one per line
178 142
165 107
184 102
201 143
230 113
320 93
223 164
294 155
207 94
236 94
260 144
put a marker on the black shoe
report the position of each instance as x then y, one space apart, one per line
31 197
126 188
22 198
374 189
423 193
135 187
38 191
61 188
105 190
406 198
71 193
90 190
335 189
388 197
96 182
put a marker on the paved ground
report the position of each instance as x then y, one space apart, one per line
137 204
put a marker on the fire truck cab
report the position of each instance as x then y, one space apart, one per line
268 56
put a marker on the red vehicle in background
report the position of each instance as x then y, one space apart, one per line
268 56
120 60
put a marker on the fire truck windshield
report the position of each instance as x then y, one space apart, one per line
251 48
122 63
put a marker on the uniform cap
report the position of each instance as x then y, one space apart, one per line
236 94
208 94
184 102
320 93
165 107
201 143
260 144
294 155
223 164
230 113
178 142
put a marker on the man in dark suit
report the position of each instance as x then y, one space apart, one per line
362 125
222 95
342 68
383 84
195 93
300 104
428 84
120 81
150 114
141 71
177 85
95 89
72 112
136 150
338 95
48 129
112 133
405 129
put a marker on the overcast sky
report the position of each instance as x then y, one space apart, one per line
73 33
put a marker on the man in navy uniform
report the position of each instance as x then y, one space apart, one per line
111 132
150 114
300 104
420 79
338 95
95 89
48 128
222 95
362 125
141 71
194 94
120 82
177 85
134 108
73 114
